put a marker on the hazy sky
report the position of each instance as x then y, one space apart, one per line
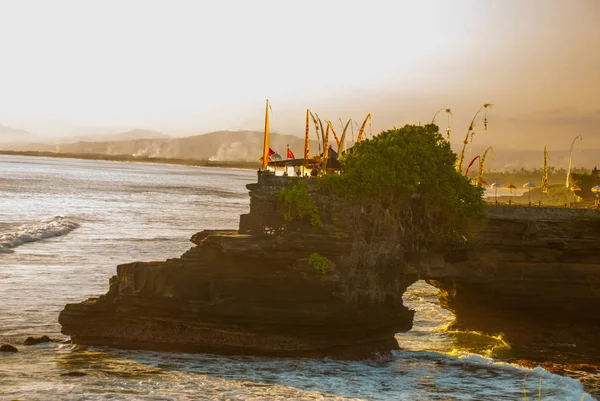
195 66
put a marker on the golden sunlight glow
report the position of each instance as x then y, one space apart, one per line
197 66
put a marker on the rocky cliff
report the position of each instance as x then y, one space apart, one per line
533 274
253 292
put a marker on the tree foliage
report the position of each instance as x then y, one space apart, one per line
319 262
297 203
412 162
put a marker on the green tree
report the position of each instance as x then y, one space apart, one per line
297 203
408 173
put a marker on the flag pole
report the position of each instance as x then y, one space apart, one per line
325 150
544 176
306 143
569 170
265 159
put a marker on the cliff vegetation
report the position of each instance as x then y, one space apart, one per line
407 188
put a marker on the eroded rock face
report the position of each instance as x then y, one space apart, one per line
533 275
253 293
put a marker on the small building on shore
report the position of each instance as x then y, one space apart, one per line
298 167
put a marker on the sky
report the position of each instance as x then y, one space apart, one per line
189 67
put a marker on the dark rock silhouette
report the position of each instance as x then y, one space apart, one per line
37 340
530 273
8 348
251 292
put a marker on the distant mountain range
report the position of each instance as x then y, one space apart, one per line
8 134
215 146
119 136
247 146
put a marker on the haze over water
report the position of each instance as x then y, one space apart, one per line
65 225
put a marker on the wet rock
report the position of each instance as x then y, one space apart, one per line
8 348
37 340
584 367
517 282
74 373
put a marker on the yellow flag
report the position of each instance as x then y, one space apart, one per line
265 156
481 164
325 148
362 128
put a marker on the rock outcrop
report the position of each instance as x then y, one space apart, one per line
533 274
252 292
8 348
37 340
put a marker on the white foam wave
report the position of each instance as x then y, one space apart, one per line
36 231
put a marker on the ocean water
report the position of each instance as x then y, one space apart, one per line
65 225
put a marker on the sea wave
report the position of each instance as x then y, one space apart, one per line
36 231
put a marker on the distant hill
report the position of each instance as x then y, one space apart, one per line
119 136
136 134
13 135
215 146
247 146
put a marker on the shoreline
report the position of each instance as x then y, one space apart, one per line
134 159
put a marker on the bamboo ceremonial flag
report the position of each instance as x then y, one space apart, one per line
326 144
571 160
337 141
306 141
265 157
545 173
362 128
481 165
342 147
325 148
316 130
470 164
322 131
